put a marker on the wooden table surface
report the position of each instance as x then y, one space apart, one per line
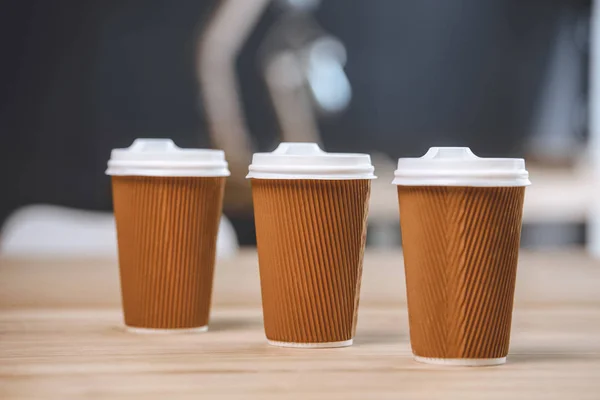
61 337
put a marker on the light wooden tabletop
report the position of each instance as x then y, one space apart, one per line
61 337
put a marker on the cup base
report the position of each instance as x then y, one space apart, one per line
154 331
465 362
344 343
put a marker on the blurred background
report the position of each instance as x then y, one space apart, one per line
508 78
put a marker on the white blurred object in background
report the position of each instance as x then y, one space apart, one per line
51 231
327 80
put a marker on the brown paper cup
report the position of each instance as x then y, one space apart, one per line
461 246
311 238
167 231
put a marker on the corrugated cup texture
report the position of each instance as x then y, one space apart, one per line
311 239
461 246
167 233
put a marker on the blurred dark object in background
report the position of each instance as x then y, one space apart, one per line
79 78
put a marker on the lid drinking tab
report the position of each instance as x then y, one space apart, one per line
153 146
299 149
450 153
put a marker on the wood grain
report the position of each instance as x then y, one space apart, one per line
61 337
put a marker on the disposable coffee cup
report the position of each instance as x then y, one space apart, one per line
460 218
167 204
310 210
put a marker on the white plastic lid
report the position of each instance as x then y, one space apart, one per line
458 166
161 157
308 161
